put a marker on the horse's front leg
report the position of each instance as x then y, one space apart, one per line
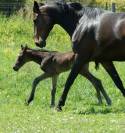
110 68
77 66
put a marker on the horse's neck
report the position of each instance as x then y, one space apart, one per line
68 22
34 56
68 19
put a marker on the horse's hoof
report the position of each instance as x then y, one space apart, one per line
26 103
123 92
100 103
52 106
123 95
109 103
59 109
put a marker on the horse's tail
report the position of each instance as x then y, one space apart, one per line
96 65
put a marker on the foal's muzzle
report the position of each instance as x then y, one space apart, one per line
15 68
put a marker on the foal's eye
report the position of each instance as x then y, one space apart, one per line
35 21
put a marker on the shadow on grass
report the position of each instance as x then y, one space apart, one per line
98 110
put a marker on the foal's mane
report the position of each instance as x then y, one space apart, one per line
41 50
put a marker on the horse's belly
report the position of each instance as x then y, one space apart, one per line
115 52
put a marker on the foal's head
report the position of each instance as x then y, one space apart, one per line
21 59
43 23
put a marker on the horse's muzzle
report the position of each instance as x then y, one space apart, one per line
41 44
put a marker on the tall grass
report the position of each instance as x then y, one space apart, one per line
81 112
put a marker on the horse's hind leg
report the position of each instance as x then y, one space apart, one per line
53 90
97 84
110 68
34 85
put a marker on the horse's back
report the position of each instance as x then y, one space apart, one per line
109 26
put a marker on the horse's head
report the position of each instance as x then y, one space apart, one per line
21 59
43 23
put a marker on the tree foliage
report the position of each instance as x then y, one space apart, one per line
12 1
120 4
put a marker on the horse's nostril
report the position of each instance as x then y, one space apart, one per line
41 44
15 68
37 44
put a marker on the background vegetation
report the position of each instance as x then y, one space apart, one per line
10 6
81 113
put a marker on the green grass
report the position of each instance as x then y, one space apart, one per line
81 112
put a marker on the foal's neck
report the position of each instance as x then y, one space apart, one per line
35 56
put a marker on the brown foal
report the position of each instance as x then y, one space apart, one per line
54 63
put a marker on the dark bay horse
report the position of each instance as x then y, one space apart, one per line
102 39
46 16
53 64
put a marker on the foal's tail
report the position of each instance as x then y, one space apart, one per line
96 65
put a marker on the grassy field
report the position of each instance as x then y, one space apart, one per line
81 113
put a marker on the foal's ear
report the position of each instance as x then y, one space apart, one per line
36 7
26 46
22 47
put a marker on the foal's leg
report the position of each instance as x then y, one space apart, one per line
77 66
110 68
34 84
97 84
53 90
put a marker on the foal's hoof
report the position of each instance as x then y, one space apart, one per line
59 109
123 95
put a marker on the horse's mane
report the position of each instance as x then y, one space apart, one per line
74 8
77 6
87 23
91 12
80 8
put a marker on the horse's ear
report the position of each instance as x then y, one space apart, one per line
36 7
